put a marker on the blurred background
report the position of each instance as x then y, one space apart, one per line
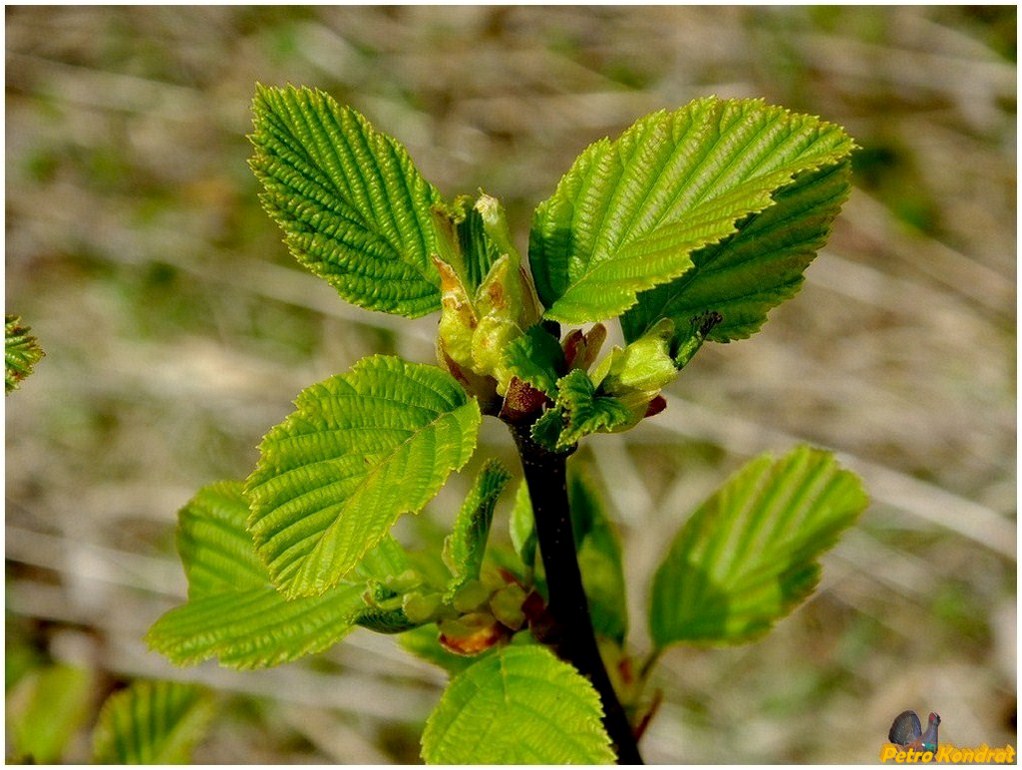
177 330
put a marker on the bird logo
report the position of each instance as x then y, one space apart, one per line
907 732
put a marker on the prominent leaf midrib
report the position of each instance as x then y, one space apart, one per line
288 175
698 192
392 227
339 512
600 257
599 250
367 200
337 173
378 468
223 605
267 535
338 457
622 189
771 492
257 612
719 269
690 192
508 678
301 161
353 207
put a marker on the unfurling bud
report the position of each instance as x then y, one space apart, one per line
472 634
478 322
635 375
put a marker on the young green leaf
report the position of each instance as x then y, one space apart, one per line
523 527
519 706
744 276
748 555
599 559
629 213
255 627
584 411
536 357
152 723
21 352
353 207
465 546
233 611
361 449
465 244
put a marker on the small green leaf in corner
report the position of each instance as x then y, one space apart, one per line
519 706
21 352
152 723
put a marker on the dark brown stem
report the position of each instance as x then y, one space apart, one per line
572 635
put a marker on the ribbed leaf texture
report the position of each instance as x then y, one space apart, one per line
599 558
152 723
465 546
233 611
579 411
361 449
629 213
216 550
520 706
21 352
752 271
352 205
748 555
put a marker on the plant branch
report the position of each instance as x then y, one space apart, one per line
572 635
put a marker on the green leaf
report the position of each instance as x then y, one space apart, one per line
361 449
757 268
152 723
747 556
352 205
215 548
520 706
21 352
628 214
584 411
599 558
536 357
465 546
234 613
467 245
523 527
255 627
383 612
44 711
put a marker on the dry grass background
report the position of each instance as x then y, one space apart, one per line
177 330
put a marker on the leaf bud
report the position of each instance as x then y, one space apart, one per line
472 634
635 374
